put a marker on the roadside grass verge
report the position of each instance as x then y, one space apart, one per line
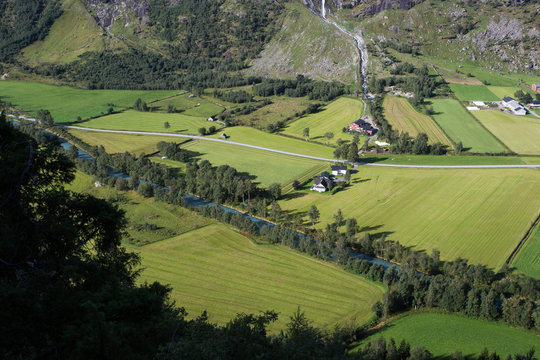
473 92
403 117
442 334
477 214
221 271
519 133
66 103
459 125
332 118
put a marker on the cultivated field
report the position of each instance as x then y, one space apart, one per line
528 259
191 106
147 220
461 126
477 214
473 92
519 133
119 143
502 91
333 118
218 270
267 166
403 117
281 108
150 121
442 334
252 136
66 103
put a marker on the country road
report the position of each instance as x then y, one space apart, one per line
300 155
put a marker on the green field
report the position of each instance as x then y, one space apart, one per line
119 143
473 92
477 214
150 121
280 109
519 133
191 106
267 166
442 334
333 118
503 91
66 103
406 159
219 270
528 259
147 220
459 124
252 136
403 117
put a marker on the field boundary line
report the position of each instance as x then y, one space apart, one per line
523 240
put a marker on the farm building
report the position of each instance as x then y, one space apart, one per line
320 184
362 126
535 104
514 106
536 87
325 174
339 169
479 104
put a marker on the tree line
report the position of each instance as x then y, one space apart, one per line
301 86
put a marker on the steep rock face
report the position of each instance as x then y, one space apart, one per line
382 5
110 11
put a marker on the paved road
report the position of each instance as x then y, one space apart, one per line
300 155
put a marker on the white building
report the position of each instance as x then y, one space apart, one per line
514 106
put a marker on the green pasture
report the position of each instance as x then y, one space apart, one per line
403 117
148 220
476 214
191 106
459 124
221 271
252 136
280 109
333 118
528 259
442 334
119 143
150 121
268 167
66 103
503 91
407 159
473 92
519 133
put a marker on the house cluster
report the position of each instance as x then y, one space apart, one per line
325 181
514 106
536 88
362 126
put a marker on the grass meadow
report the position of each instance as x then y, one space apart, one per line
252 136
268 167
191 106
519 133
442 334
403 117
332 118
219 270
459 124
477 214
150 121
407 159
503 91
66 103
528 259
119 143
280 109
473 92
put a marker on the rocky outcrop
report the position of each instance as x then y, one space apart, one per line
382 5
110 11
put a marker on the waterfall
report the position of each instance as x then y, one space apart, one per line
323 9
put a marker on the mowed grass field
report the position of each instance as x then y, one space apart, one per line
191 106
473 92
150 121
281 108
477 214
442 334
519 133
528 259
403 117
332 118
119 143
221 271
267 166
459 124
256 137
503 91
66 103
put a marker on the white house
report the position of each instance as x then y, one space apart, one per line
535 104
479 103
514 106
339 169
320 184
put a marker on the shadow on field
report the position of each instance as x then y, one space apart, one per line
358 181
293 195
370 228
373 159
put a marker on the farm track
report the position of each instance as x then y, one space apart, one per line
532 166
